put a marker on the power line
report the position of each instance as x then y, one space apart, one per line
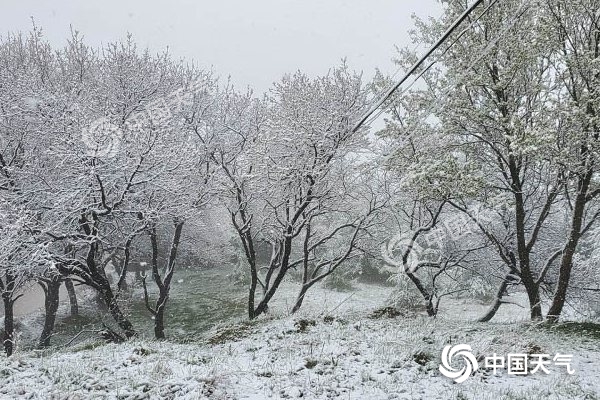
480 56
416 66
462 78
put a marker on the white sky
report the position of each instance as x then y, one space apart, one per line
255 42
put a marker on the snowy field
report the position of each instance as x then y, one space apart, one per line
335 348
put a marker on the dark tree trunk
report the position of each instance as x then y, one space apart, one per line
428 297
566 262
122 269
159 321
497 301
300 297
253 286
9 324
263 306
115 311
564 275
103 286
122 282
72 297
523 250
248 244
535 303
164 285
306 282
431 308
8 297
51 301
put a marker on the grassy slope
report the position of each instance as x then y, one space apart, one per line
345 355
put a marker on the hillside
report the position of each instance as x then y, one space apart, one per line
338 347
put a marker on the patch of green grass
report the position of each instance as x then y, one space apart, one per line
302 325
386 312
339 282
88 346
585 329
84 325
422 357
231 333
75 323
202 300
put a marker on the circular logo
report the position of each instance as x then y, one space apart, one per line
400 245
470 362
425 248
102 138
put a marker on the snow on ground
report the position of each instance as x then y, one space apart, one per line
346 354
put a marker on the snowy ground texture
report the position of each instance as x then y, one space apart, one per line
346 354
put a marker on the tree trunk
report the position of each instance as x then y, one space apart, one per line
498 301
263 306
164 285
248 243
159 320
431 311
535 303
531 286
431 308
115 311
564 275
110 300
51 291
251 295
72 297
122 282
566 262
9 324
300 297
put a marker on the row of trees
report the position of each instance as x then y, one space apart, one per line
488 171
103 151
506 128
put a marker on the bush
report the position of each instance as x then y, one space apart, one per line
240 274
370 272
340 282
405 296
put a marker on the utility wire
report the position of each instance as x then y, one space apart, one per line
418 64
428 67
438 103
480 55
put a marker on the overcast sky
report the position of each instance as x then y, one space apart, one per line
255 42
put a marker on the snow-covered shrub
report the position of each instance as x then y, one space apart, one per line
405 295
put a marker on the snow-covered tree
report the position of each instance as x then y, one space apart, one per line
281 161
23 249
499 101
